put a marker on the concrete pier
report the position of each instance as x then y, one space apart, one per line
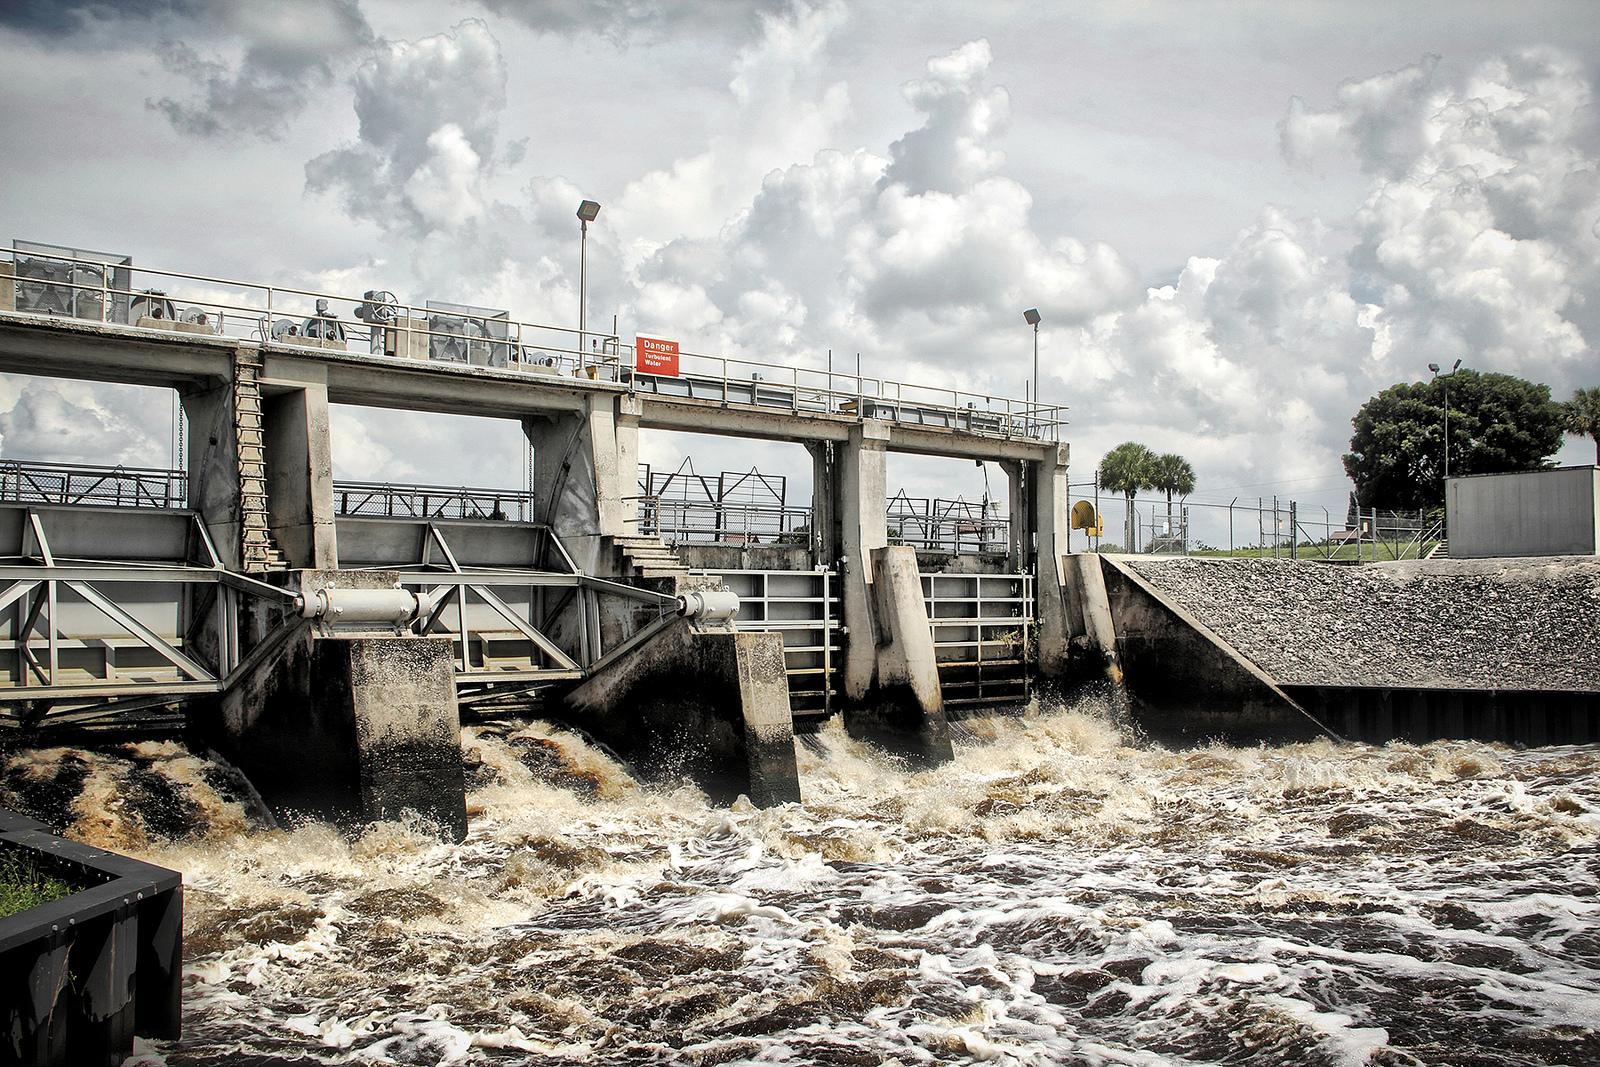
902 709
890 684
351 727
709 704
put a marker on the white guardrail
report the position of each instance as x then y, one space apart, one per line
72 283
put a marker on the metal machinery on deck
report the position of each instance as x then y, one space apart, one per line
68 283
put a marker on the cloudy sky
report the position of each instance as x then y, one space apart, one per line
1238 220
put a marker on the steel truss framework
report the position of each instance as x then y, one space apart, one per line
36 586
484 606
85 611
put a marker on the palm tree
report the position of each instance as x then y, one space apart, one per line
1172 474
1583 417
1126 469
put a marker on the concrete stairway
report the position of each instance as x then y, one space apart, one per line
1440 550
260 552
648 557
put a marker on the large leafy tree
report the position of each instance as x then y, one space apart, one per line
1497 423
1127 469
1583 416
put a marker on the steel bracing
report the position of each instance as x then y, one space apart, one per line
92 640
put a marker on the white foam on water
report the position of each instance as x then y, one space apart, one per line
1056 895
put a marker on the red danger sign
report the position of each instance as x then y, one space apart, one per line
657 356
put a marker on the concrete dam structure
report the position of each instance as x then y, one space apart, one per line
330 654
330 648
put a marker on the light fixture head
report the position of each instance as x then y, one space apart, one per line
1434 367
1456 367
588 210
1032 315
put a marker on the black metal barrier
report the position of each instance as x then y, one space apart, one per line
80 976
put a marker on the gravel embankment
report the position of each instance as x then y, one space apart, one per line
1480 624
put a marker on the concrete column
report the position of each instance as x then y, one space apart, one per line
1040 524
826 538
629 408
213 464
890 677
1092 636
1019 540
904 710
863 498
299 462
577 479
1051 529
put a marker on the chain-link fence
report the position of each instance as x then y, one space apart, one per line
1263 526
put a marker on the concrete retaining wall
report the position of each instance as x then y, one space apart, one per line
1496 650
1190 684
1520 624
1420 715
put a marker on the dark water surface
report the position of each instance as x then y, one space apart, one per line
1057 895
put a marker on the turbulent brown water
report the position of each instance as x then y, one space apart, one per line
1057 895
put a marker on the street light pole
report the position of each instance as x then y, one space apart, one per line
1435 368
587 211
1031 316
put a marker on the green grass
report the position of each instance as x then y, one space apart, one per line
24 885
1386 552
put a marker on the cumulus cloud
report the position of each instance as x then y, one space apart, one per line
289 48
917 257
955 145
63 20
780 115
1476 241
84 422
271 54
626 21
429 112
1483 247
1386 118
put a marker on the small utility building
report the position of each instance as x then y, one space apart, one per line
1527 513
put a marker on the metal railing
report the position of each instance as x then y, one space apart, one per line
983 632
178 301
703 522
956 526
27 482
802 606
387 500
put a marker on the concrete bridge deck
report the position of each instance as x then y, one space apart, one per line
695 403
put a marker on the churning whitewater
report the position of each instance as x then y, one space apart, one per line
1059 894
